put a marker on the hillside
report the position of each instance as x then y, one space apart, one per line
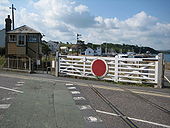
123 48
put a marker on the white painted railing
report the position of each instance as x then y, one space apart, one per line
134 70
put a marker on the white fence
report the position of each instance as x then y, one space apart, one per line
134 70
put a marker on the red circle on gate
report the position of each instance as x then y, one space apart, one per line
99 67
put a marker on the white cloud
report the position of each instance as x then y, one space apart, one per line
81 8
4 11
62 19
140 20
4 2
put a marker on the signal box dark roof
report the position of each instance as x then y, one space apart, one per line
24 29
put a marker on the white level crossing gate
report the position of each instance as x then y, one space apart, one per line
133 70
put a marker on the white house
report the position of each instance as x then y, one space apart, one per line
122 55
98 51
64 49
89 52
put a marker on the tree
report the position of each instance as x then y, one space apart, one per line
45 49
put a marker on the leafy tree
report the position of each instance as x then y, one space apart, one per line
45 49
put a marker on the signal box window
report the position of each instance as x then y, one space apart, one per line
12 38
32 38
21 40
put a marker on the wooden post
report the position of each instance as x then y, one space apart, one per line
156 70
84 66
57 65
17 62
30 65
8 62
116 68
160 70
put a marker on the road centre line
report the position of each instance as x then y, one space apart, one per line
135 119
8 98
14 90
75 92
152 93
4 106
92 119
84 107
18 84
69 84
70 88
79 98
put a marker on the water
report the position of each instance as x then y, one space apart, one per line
167 57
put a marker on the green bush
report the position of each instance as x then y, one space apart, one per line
2 51
2 61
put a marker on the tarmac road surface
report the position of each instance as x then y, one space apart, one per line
44 101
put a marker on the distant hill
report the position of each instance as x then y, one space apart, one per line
123 48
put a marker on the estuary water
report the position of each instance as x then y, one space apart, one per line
167 57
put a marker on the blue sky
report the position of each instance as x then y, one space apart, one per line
124 9
139 22
121 9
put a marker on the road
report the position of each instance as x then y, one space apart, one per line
41 100
167 78
35 103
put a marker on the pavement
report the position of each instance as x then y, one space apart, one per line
44 101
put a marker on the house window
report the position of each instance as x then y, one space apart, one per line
12 38
21 40
32 38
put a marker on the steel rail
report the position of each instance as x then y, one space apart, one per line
147 101
114 108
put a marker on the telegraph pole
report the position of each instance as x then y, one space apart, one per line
12 8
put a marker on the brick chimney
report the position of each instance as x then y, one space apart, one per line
8 24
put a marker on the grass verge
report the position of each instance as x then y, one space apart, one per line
2 61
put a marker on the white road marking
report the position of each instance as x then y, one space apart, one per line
75 92
14 90
92 119
138 91
69 84
167 79
8 98
79 98
70 88
135 119
84 107
4 106
20 82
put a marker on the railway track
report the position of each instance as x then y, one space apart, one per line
114 108
147 101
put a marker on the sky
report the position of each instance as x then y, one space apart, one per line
136 22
